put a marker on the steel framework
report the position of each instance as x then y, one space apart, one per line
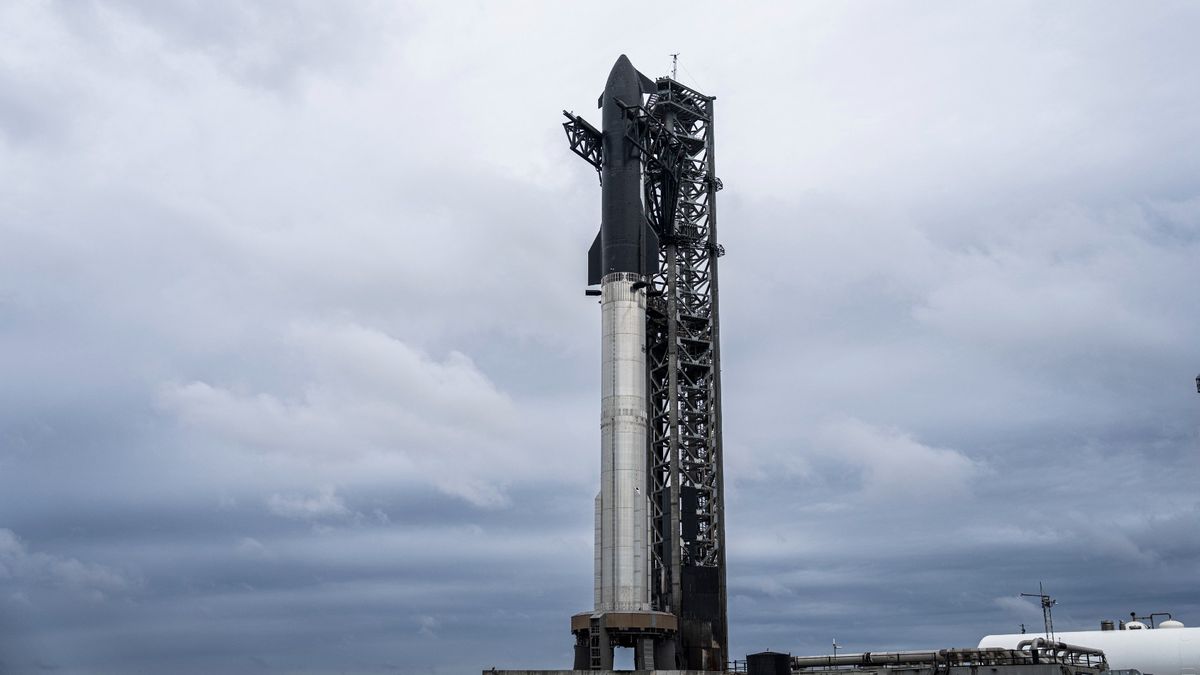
673 132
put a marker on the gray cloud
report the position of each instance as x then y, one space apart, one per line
21 568
324 505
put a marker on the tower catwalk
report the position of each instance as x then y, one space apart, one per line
660 543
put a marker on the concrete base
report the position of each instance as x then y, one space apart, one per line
597 672
650 634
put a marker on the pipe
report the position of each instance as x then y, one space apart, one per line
864 659
1043 643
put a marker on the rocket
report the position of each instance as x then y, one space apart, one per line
622 257
626 242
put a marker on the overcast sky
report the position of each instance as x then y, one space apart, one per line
297 373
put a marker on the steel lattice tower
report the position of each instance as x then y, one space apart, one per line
672 130
688 540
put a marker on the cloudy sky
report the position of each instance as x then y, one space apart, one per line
297 373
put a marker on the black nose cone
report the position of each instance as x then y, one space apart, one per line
623 77
622 64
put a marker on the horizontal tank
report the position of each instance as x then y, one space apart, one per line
1173 650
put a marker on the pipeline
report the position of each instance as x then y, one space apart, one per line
1058 647
864 659
1028 651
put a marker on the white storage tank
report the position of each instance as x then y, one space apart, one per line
1170 649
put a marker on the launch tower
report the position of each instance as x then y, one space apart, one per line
660 530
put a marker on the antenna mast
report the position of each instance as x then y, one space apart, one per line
675 64
1047 616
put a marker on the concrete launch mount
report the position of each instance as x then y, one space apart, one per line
660 529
